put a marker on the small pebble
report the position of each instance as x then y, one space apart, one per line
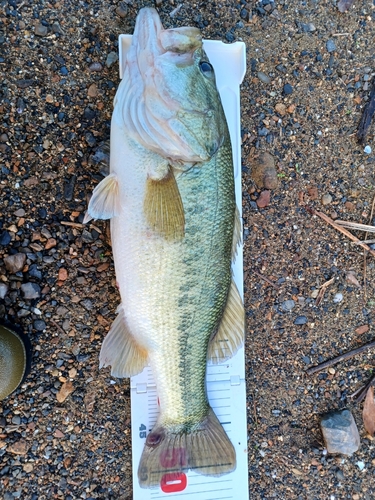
30 290
3 290
56 28
39 325
263 77
264 199
367 150
288 305
326 199
300 320
95 67
122 10
330 46
338 298
5 238
112 57
41 30
287 89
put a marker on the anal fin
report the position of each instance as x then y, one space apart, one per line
105 202
121 351
163 207
231 332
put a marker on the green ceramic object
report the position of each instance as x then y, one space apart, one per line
15 358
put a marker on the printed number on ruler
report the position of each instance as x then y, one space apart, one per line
142 431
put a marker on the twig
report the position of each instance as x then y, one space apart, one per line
72 224
356 225
365 255
340 358
264 278
368 242
341 229
57 326
361 392
365 275
340 34
322 291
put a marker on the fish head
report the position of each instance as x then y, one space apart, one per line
173 106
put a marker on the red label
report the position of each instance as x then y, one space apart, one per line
173 482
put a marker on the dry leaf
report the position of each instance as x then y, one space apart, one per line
369 412
66 389
350 277
344 5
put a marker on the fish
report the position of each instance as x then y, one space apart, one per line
175 229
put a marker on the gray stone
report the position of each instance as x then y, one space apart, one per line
112 57
39 325
330 45
30 290
326 199
87 304
41 30
122 10
15 263
288 305
3 290
300 320
263 77
56 28
340 432
20 212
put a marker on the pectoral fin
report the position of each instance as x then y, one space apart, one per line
163 207
105 200
121 351
230 334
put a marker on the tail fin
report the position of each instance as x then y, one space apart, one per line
207 450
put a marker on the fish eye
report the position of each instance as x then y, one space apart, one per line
206 69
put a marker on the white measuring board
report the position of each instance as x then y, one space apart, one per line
226 382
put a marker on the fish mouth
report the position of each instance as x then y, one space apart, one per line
147 30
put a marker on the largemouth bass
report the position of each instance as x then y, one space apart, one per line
174 229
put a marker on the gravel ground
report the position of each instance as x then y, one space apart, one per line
309 75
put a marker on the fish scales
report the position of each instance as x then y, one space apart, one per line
170 197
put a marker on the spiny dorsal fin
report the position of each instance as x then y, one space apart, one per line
163 207
237 233
104 203
231 332
121 351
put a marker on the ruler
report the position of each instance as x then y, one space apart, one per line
225 382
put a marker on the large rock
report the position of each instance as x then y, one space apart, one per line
340 432
30 290
15 263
